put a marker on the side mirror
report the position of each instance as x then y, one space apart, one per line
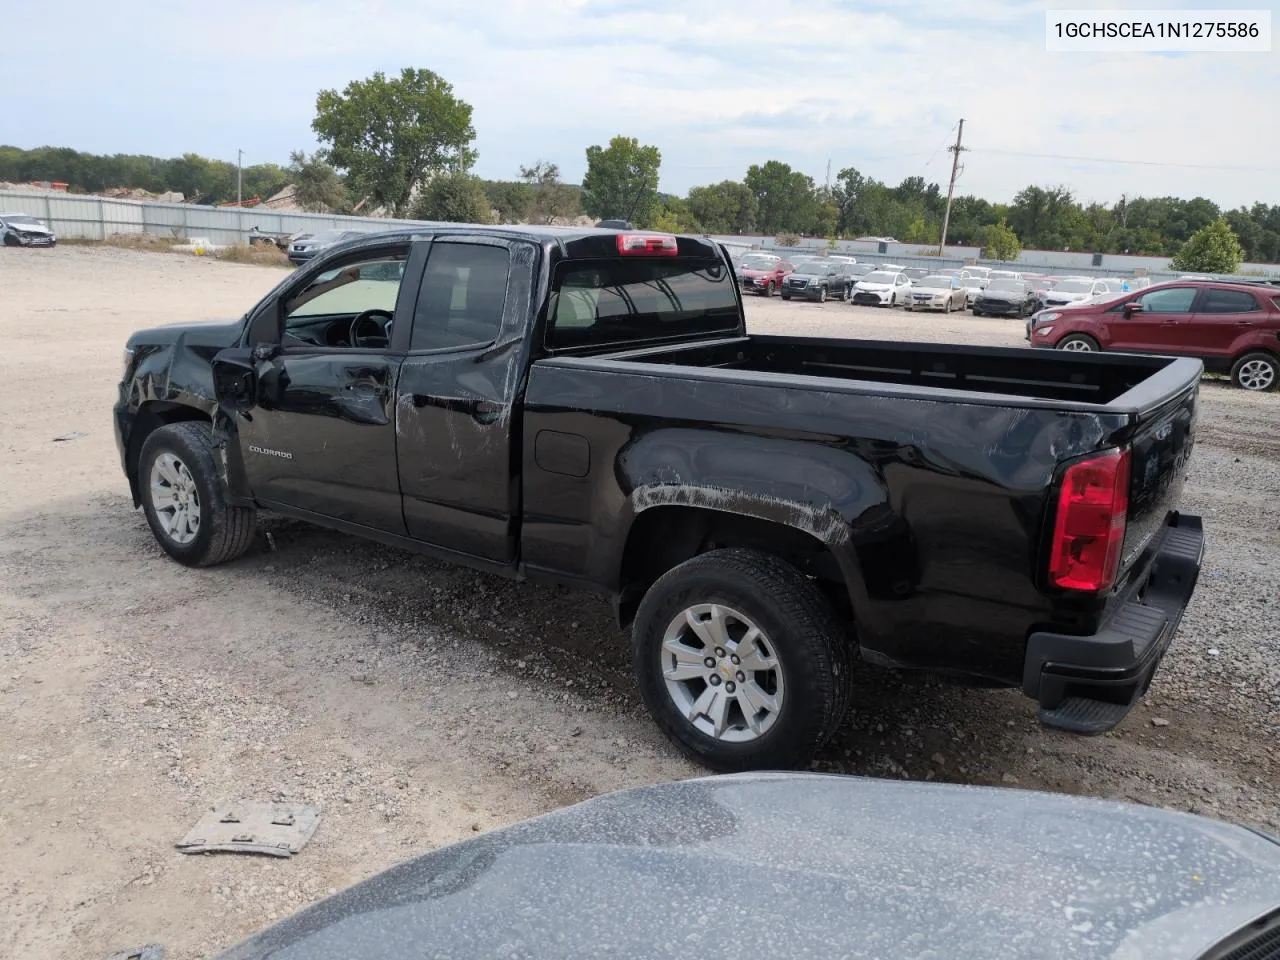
235 383
1132 307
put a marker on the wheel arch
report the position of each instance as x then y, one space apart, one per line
150 417
676 528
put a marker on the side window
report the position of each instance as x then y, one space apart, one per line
323 313
1173 300
1228 301
463 293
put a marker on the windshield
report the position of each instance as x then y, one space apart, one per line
881 276
618 301
23 221
860 269
1004 284
327 236
758 263
810 266
935 281
1074 286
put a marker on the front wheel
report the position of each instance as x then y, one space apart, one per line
822 295
184 500
1256 371
741 661
1078 343
786 296
947 308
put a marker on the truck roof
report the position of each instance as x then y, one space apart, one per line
573 242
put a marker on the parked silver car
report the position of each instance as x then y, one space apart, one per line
304 248
23 230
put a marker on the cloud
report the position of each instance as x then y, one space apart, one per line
717 87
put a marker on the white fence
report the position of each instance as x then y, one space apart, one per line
96 218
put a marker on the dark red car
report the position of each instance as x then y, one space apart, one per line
763 274
1233 328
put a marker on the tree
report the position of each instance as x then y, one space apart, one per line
391 134
674 216
550 199
785 198
622 181
509 199
316 185
725 207
1211 249
453 197
999 242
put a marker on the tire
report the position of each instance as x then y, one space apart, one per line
947 308
185 451
10 240
768 290
906 307
893 300
977 312
1078 342
822 295
810 678
786 296
1257 372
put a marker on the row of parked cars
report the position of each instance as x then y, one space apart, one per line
1232 327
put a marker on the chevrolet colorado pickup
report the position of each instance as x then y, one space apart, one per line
585 406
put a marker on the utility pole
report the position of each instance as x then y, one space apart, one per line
828 174
951 187
240 174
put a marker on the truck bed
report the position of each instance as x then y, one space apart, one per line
1120 380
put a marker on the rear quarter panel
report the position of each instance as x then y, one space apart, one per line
933 508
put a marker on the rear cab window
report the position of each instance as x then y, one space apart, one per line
631 301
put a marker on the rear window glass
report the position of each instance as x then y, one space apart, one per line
1228 301
621 301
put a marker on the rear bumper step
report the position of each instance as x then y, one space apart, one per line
1089 684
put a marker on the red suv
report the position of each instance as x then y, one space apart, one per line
1233 327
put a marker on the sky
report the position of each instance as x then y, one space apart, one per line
716 86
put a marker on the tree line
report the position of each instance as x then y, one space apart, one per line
403 146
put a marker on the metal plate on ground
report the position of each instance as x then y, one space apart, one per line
152 951
250 826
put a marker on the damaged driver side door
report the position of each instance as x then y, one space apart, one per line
308 402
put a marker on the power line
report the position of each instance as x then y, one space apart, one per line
1139 163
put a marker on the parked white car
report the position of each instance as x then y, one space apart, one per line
24 230
1073 290
882 288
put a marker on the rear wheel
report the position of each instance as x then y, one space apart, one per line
1078 343
741 661
184 500
1256 371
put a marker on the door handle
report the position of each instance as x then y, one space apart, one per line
365 388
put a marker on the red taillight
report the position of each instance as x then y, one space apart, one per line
1088 532
647 245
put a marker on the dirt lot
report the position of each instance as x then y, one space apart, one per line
418 703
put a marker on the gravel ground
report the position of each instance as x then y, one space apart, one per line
418 703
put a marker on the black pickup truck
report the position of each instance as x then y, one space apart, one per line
586 407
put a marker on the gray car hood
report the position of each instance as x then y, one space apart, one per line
801 865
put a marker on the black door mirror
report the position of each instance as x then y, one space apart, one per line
235 382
